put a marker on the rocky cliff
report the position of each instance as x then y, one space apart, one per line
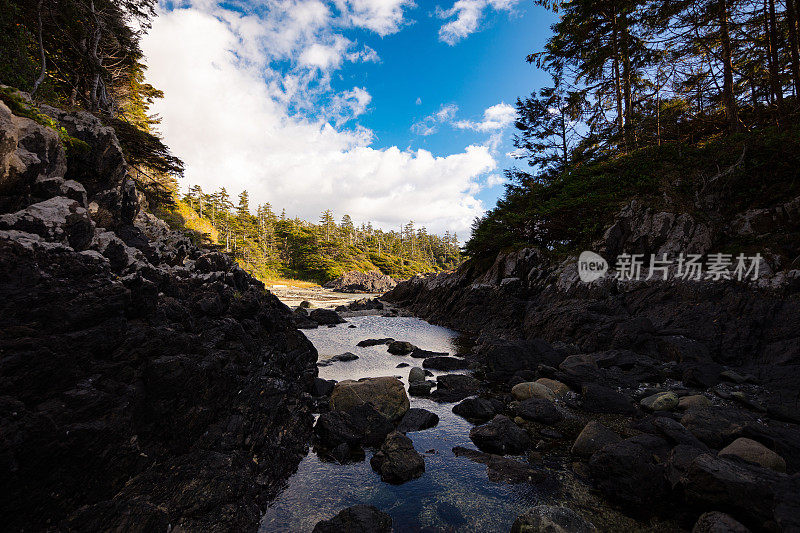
145 383
753 325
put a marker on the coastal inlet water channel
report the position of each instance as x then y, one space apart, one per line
454 493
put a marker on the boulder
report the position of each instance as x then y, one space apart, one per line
455 387
551 519
400 348
501 436
600 399
539 410
397 461
420 388
716 426
417 419
416 375
503 359
477 409
58 219
630 471
696 400
661 401
502 469
754 452
419 353
559 389
444 363
594 437
356 519
716 522
373 342
531 389
326 317
730 483
322 387
366 282
360 425
676 433
387 394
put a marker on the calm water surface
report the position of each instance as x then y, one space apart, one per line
454 494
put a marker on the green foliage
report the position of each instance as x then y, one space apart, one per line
20 107
568 212
271 246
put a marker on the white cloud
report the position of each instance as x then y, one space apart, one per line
497 117
234 119
430 124
465 17
494 180
384 17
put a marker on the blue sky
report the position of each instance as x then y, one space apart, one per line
315 104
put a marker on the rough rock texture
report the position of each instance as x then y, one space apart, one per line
387 394
397 461
753 326
367 282
144 383
552 520
501 436
357 519
594 437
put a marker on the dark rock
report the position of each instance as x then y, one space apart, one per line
326 317
477 409
58 220
420 388
367 282
551 519
305 304
733 484
419 353
416 375
403 365
397 461
701 374
502 469
444 363
675 433
716 426
346 356
600 399
364 304
374 342
387 394
501 436
505 358
539 410
322 387
417 419
455 387
594 437
360 425
716 522
630 471
400 348
356 519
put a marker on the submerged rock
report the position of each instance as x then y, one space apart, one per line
502 469
455 387
550 519
417 419
444 363
501 436
326 317
374 342
477 409
397 461
419 353
400 348
357 519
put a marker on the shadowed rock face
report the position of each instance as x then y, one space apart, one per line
143 382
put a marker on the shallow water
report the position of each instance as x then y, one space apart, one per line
454 494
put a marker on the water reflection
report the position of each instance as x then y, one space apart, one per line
454 494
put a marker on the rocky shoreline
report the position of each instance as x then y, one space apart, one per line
146 383
671 398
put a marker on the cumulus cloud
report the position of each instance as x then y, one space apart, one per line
494 180
384 17
495 118
233 117
465 16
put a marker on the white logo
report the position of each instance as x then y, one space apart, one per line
591 266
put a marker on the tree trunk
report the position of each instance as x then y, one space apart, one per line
774 71
728 98
794 44
626 82
43 74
